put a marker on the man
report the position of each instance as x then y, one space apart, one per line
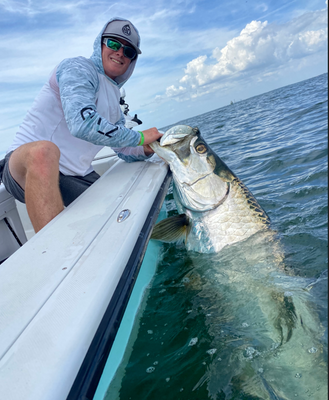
76 113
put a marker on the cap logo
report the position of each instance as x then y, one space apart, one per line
126 30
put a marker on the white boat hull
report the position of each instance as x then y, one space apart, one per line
55 289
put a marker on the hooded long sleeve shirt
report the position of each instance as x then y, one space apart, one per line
78 109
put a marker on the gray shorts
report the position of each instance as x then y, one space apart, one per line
70 186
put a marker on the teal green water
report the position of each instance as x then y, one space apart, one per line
206 327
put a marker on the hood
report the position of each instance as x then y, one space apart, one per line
96 57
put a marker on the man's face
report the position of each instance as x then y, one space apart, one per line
114 62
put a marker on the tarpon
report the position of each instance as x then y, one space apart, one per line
216 208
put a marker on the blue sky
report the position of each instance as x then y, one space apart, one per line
197 55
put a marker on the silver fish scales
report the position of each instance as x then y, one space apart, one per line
216 208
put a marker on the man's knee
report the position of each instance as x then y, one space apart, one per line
43 153
39 158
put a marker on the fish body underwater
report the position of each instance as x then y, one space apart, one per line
216 208
219 217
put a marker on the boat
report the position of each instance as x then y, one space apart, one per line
64 291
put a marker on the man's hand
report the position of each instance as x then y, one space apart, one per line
147 150
151 135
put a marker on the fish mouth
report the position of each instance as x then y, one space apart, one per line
176 134
198 180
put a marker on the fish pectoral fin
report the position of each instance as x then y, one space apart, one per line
172 229
286 320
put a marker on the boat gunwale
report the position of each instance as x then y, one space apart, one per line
90 372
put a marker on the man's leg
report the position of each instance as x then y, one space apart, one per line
35 167
72 187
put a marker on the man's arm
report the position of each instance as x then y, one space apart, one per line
78 83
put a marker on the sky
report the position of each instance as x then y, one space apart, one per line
197 55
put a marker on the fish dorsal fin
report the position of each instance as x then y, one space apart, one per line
172 229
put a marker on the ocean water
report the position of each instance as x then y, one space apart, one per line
209 326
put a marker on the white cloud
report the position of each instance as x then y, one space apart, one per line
43 47
173 91
262 6
29 58
31 8
259 45
219 60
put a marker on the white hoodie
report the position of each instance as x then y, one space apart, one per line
78 109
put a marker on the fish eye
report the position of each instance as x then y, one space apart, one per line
201 148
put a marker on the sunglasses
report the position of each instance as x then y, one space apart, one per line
115 45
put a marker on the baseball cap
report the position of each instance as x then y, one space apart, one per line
123 30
